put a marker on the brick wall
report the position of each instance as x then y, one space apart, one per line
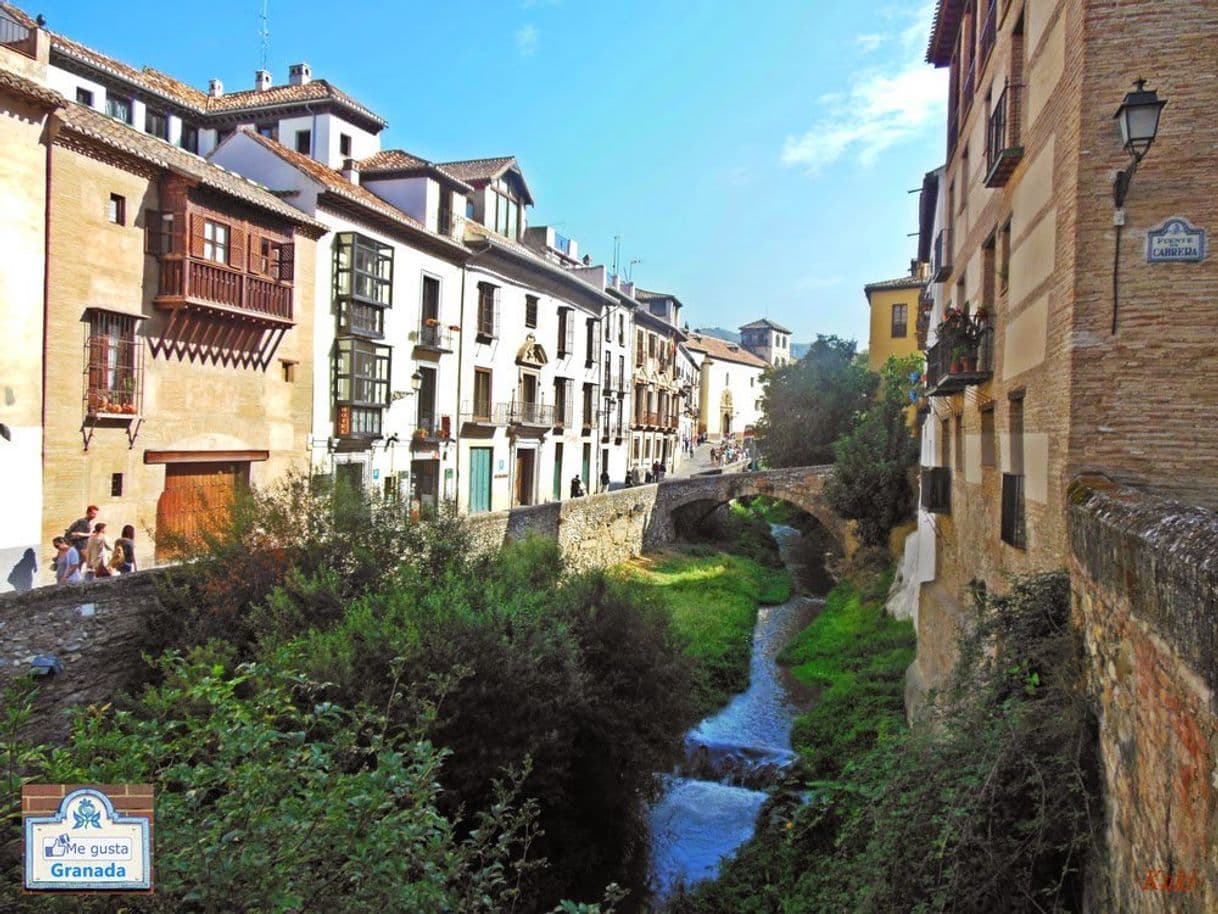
1145 582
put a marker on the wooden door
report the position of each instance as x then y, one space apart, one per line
524 476
197 500
479 479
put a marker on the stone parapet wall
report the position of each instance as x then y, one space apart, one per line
1145 583
97 631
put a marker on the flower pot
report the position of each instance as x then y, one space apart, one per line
956 367
970 363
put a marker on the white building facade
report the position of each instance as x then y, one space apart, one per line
730 392
767 340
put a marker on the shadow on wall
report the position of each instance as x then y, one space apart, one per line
21 578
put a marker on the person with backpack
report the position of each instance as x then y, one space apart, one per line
123 559
97 554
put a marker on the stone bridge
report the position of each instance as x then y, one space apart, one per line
601 530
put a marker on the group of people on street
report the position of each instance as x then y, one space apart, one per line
655 473
727 452
85 553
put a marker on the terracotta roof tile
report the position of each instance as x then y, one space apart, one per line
724 351
336 184
30 89
84 121
400 161
764 322
901 282
486 170
165 85
479 169
391 160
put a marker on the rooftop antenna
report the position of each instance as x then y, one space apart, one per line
630 269
617 251
264 33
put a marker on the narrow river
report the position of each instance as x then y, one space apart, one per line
709 806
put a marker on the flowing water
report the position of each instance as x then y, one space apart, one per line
709 806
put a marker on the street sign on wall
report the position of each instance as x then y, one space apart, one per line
1175 241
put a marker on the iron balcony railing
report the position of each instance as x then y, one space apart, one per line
943 256
519 413
955 362
483 413
989 31
16 37
433 428
435 336
1002 141
968 89
937 490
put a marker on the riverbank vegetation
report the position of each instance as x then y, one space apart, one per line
354 712
711 597
989 807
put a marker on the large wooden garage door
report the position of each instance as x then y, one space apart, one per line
198 498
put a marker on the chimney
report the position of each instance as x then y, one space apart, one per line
262 80
349 171
299 74
215 89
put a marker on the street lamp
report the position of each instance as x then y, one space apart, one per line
416 381
1138 118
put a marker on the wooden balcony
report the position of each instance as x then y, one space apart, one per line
194 283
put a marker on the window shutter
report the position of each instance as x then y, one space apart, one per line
237 246
152 232
570 338
254 263
196 235
287 262
495 313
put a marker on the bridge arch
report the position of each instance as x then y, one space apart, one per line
802 487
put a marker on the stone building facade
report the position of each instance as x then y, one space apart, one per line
170 285
1066 363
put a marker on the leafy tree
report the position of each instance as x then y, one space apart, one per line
809 404
871 477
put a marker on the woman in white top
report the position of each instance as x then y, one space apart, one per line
97 553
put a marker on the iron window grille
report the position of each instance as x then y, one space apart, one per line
114 375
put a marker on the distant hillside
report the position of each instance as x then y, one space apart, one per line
799 350
719 333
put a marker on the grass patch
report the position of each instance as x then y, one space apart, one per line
855 655
712 599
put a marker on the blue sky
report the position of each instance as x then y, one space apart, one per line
755 157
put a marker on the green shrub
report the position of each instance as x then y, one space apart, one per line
270 798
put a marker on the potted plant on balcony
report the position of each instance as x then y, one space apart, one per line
431 322
959 351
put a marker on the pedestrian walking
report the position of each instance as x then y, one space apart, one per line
123 560
577 487
97 554
605 480
77 535
67 562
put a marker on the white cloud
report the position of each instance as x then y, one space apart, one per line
527 39
869 43
883 107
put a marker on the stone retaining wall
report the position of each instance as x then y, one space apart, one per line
1145 583
96 630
